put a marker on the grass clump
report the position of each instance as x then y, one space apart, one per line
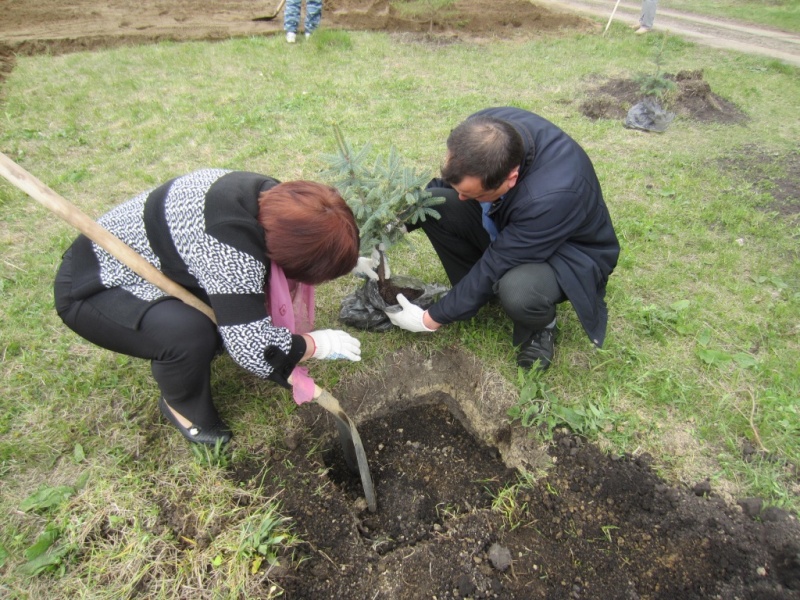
331 39
265 535
511 503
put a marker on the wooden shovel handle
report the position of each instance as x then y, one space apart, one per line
70 213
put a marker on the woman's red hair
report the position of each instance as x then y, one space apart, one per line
310 231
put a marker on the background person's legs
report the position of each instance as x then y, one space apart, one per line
313 15
291 17
648 16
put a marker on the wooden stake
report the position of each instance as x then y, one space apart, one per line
611 18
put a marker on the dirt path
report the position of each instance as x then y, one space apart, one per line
714 32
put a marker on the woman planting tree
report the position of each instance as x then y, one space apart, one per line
251 247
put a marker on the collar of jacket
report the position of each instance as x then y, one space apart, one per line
527 164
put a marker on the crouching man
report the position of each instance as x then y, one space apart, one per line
524 221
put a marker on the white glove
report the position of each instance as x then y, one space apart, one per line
332 344
409 317
366 266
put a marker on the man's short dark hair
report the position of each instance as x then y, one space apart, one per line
484 147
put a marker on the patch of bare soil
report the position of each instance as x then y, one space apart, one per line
52 26
691 99
455 518
769 172
492 18
594 526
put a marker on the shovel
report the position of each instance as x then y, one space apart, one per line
273 15
352 446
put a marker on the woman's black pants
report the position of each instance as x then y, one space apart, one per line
179 341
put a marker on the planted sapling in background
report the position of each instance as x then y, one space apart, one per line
649 115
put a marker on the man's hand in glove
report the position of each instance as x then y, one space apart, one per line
367 265
411 317
332 344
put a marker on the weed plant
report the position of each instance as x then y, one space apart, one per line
510 501
702 355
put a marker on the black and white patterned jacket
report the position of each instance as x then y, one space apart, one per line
201 230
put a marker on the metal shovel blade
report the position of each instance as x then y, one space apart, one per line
352 446
348 447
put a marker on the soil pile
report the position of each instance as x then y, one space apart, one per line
691 98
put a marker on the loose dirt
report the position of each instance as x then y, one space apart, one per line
454 521
691 98
456 518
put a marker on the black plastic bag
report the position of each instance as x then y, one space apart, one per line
648 115
365 309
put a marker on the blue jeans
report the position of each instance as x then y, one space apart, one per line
291 15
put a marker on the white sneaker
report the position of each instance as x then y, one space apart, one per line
291 37
308 34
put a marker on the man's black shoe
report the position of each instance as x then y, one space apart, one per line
538 350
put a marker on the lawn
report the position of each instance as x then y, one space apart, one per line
702 359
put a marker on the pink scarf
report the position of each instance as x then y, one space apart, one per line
291 305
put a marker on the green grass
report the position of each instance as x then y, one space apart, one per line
781 14
702 353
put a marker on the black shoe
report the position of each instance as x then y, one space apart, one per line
538 350
206 435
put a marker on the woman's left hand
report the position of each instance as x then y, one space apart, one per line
332 344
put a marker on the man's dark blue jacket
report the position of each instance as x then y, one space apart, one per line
555 214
